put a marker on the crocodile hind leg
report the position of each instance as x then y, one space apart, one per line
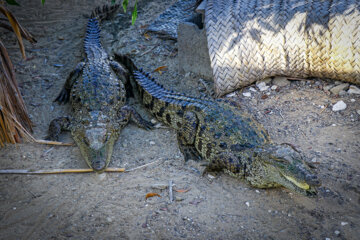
64 95
186 136
127 112
57 126
189 151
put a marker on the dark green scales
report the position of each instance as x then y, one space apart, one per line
225 137
97 93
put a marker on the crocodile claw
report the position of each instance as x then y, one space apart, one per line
63 96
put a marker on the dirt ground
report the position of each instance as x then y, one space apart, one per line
113 205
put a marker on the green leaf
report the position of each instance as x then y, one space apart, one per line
134 14
113 1
43 2
125 4
12 2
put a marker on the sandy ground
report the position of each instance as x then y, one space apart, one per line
113 205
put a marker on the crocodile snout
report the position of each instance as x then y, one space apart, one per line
98 165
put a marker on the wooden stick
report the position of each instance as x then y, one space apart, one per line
55 171
53 143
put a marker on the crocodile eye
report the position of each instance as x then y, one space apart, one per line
86 140
85 122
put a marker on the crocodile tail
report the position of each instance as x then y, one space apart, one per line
92 38
104 12
126 61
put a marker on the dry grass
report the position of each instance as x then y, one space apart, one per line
14 120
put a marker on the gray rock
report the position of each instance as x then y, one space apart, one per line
281 81
353 90
328 87
247 94
342 93
262 86
337 89
358 112
252 89
339 106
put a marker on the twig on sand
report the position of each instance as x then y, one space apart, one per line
149 50
171 190
142 166
53 143
55 171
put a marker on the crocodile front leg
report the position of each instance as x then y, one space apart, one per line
186 137
122 74
127 112
64 95
57 126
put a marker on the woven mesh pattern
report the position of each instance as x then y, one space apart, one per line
166 23
250 40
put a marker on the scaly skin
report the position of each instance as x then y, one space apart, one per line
225 137
97 95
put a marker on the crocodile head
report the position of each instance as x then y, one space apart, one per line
96 145
282 165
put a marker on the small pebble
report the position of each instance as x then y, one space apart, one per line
262 86
152 143
211 176
61 38
339 88
274 87
109 219
352 100
334 125
327 238
339 106
354 90
247 204
344 223
153 121
233 94
247 94
358 112
179 199
257 191
337 232
252 89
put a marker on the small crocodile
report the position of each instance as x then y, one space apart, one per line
215 130
96 89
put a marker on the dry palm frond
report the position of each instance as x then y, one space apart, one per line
17 29
14 120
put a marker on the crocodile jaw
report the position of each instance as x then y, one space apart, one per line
96 158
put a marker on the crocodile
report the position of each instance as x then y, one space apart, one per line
96 90
225 137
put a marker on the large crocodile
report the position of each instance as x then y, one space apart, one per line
227 138
98 96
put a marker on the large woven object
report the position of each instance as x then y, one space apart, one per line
250 40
